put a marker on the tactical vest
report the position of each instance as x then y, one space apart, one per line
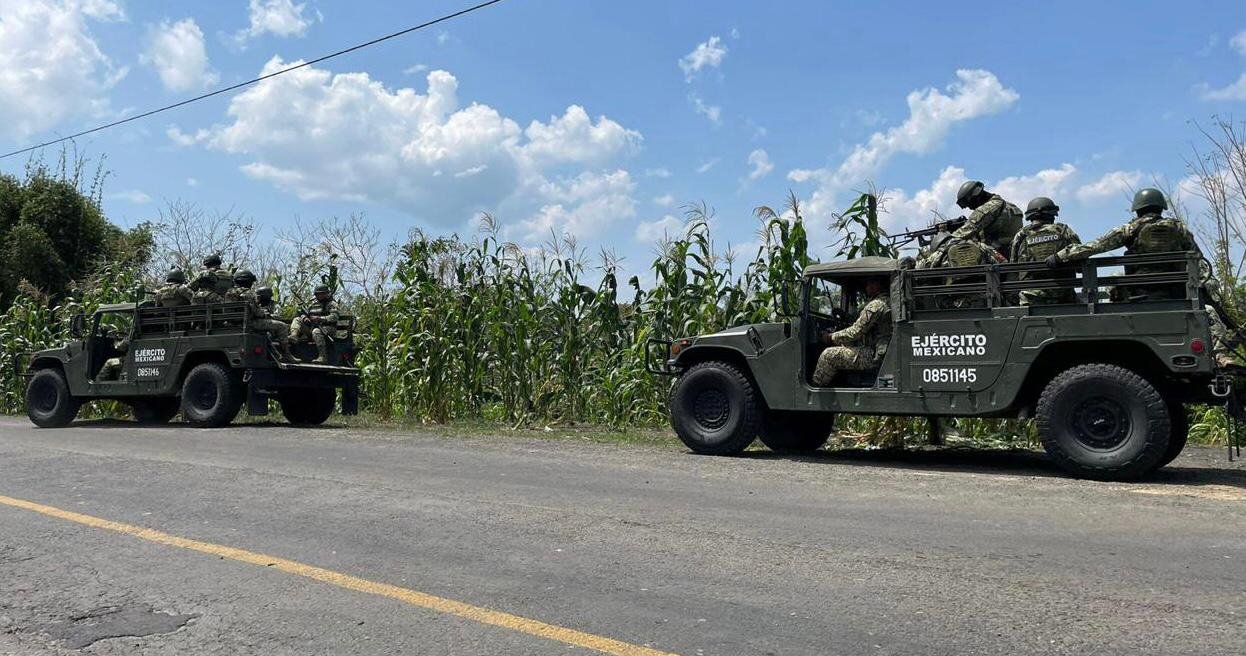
224 281
319 309
1161 235
966 254
171 295
1000 233
1042 242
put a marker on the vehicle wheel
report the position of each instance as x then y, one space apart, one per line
715 409
1179 433
797 432
155 411
211 396
1102 421
307 407
48 401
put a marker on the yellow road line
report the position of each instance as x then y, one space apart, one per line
413 597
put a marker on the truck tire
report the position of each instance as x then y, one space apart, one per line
1104 422
307 407
155 411
48 401
1178 435
797 432
211 396
715 409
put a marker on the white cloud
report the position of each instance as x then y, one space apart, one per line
663 228
423 152
735 32
919 209
1234 91
658 173
932 114
132 196
277 17
712 112
762 166
51 67
1238 42
584 206
180 138
415 69
707 165
709 54
665 200
1111 184
1020 189
177 52
192 182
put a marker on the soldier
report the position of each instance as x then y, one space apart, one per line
992 220
111 370
1149 232
174 292
319 323
862 345
1038 240
258 318
211 285
949 251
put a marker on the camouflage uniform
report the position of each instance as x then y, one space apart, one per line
211 285
1035 243
993 223
859 346
258 318
1149 233
111 370
956 252
173 295
302 329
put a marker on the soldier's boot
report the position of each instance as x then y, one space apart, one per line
322 347
283 349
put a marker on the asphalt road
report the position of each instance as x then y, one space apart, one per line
631 547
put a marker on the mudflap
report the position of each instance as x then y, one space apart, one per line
350 398
257 403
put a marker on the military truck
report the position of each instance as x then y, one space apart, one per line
1106 381
200 360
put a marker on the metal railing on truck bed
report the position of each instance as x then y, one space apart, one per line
208 319
998 285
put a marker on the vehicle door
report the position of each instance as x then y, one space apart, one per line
111 332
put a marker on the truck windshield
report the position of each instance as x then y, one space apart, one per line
824 296
114 324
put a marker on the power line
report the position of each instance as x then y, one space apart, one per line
258 79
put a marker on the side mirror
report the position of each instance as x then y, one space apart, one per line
76 326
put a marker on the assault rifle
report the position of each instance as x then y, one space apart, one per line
923 235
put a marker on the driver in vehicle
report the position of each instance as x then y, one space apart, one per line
862 345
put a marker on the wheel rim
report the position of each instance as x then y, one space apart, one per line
43 397
203 395
1100 423
711 408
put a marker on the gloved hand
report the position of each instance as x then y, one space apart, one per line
1053 261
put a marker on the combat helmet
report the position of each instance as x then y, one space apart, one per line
212 261
968 192
321 289
1041 209
176 276
244 278
1149 199
264 294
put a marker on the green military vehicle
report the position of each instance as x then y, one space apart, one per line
203 361
1107 381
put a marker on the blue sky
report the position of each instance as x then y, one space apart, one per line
603 118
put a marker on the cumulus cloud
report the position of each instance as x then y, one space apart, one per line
132 196
708 54
652 231
277 17
759 160
932 115
712 112
1238 42
51 67
1052 183
423 152
1234 91
177 52
1111 184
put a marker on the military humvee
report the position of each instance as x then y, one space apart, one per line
1106 381
200 360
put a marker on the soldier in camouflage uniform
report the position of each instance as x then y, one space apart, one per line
1149 232
319 324
1042 237
952 251
211 285
111 370
992 220
862 345
174 292
258 318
